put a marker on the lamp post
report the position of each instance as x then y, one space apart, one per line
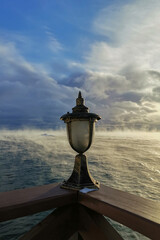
80 130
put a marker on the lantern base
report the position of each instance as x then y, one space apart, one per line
80 177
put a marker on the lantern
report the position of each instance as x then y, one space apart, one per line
80 130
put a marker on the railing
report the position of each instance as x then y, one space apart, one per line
80 216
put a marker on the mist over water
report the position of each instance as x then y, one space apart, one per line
124 160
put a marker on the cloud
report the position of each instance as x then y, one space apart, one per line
133 33
28 95
118 74
123 70
53 44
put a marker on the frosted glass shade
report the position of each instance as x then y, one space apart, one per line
80 134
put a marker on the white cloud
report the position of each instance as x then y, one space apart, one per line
124 68
134 35
53 44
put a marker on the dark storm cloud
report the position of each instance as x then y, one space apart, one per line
123 100
75 79
28 96
131 96
156 94
154 74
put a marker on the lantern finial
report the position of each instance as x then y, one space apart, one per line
79 95
80 107
79 100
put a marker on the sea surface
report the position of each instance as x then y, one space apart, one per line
129 161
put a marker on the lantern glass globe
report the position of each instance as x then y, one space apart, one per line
80 134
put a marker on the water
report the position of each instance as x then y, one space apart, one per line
126 161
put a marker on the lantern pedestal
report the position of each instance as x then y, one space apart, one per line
80 177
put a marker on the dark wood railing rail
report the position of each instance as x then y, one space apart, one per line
80 216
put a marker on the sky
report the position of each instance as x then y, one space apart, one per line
51 49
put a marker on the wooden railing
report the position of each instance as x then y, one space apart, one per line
80 216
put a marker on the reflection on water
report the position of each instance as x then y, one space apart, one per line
126 161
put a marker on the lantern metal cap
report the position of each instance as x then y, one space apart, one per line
80 107
80 111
